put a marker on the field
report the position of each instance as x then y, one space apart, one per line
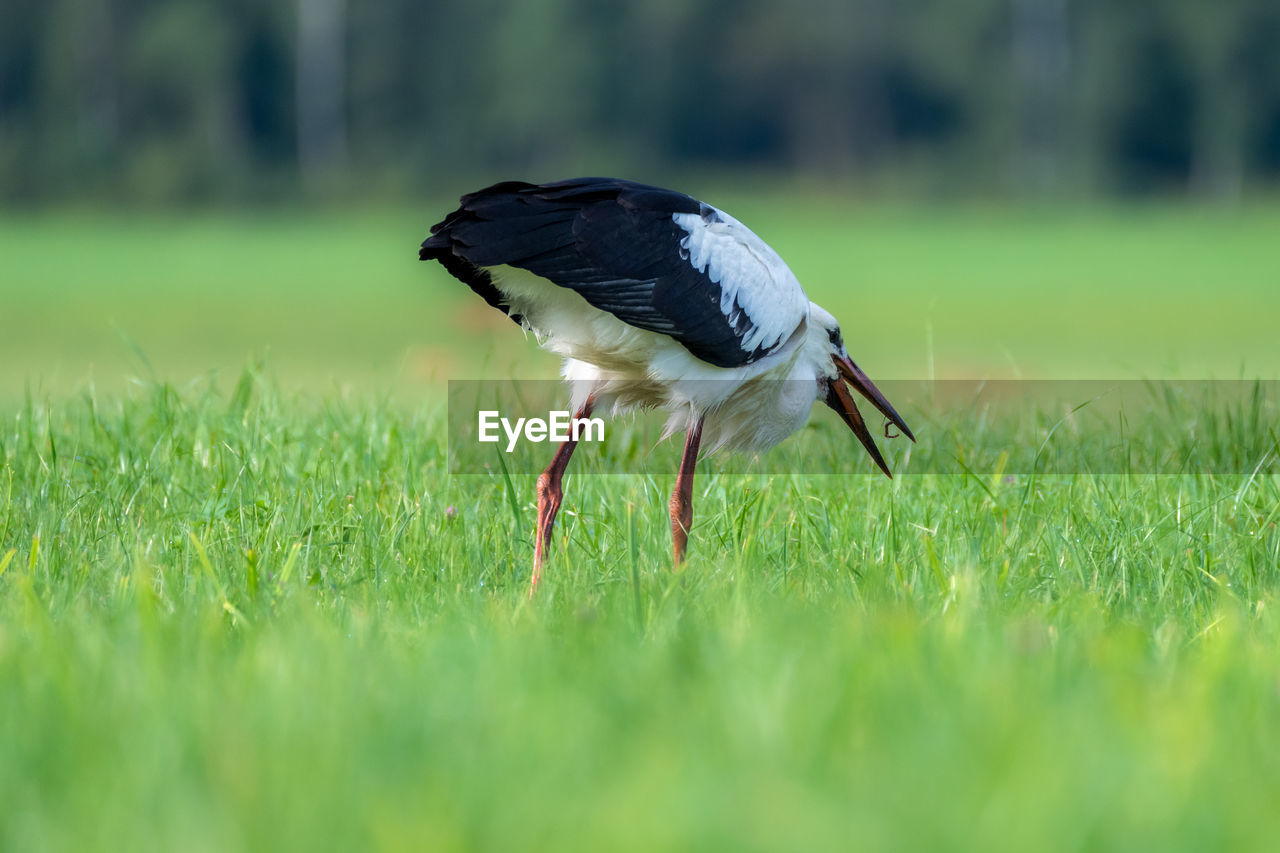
244 606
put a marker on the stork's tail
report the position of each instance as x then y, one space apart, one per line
443 246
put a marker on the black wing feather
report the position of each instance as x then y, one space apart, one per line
612 241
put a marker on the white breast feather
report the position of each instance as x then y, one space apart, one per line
624 368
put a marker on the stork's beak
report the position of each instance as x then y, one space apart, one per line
839 399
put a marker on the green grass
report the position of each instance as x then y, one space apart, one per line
246 620
248 611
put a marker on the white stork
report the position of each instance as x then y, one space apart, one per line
655 300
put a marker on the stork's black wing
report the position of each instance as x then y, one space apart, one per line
653 258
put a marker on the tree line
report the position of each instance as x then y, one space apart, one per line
251 100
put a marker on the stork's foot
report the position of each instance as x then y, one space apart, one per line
681 521
682 498
550 495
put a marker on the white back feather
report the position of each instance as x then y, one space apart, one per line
750 273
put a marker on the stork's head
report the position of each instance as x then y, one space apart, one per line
837 373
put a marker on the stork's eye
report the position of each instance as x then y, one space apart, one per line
836 340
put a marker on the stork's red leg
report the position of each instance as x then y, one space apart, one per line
549 496
682 497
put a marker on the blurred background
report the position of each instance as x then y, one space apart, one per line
1052 187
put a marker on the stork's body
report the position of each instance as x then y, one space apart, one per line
655 300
